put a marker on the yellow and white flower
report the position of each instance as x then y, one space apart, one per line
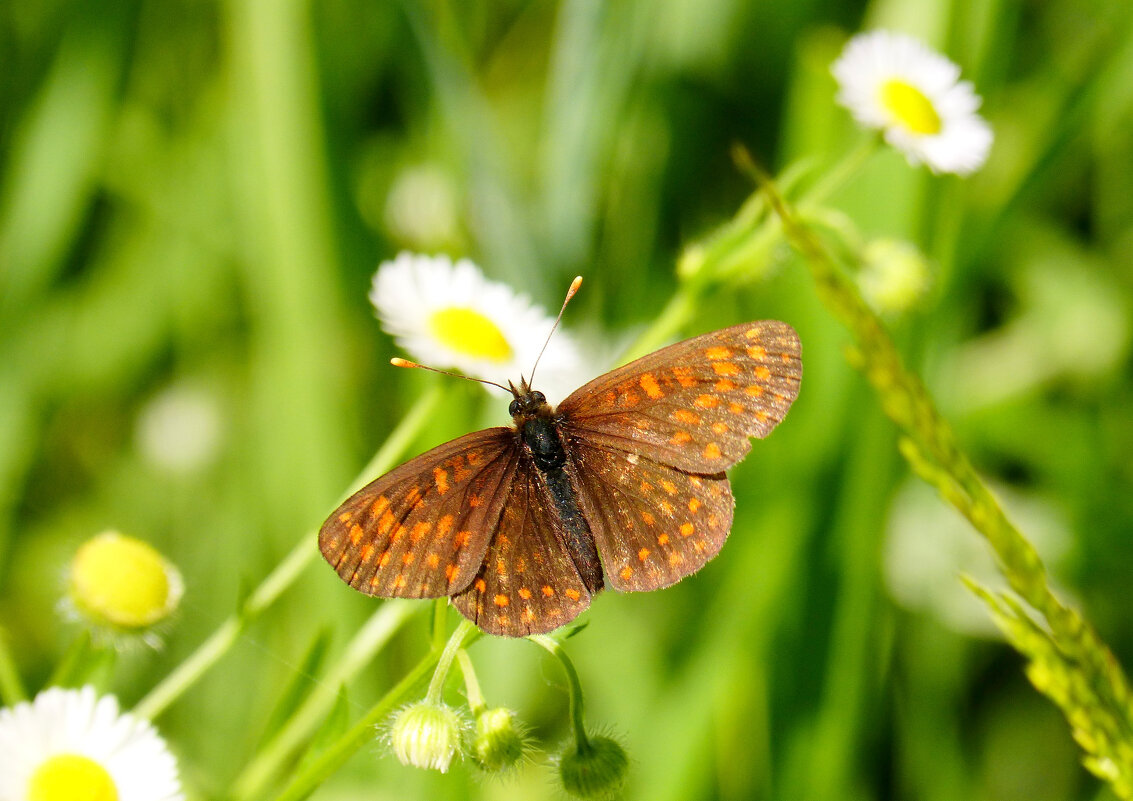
894 83
448 315
71 745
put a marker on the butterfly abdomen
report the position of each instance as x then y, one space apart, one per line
541 436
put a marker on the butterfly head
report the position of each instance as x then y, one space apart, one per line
527 403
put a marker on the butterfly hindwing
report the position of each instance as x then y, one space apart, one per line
528 583
653 524
421 530
693 405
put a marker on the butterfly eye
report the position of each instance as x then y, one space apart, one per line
539 397
513 408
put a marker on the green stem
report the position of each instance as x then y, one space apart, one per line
284 575
472 690
574 686
11 687
369 641
362 732
435 694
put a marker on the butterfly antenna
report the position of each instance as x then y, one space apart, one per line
399 362
574 285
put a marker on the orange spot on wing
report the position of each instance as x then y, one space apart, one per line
574 595
440 479
444 526
473 457
736 408
647 518
380 505
684 376
413 496
408 558
646 487
725 368
524 593
753 333
724 385
461 538
757 352
680 438
419 530
356 534
629 398
397 534
345 517
474 501
626 572
367 551
685 416
700 546
720 428
501 600
762 416
501 567
754 390
667 508
668 486
433 561
693 504
675 558
707 401
481 586
663 540
450 571
687 529
400 581
643 554
718 352
548 591
761 372
386 522
785 357
651 387
384 560
712 451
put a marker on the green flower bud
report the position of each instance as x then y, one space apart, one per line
594 768
500 740
427 735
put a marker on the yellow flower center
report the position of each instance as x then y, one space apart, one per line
469 332
911 108
70 777
120 580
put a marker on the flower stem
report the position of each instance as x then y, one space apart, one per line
574 686
472 689
11 687
285 573
370 639
444 664
362 732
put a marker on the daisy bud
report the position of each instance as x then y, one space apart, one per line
427 735
122 583
894 275
593 768
500 740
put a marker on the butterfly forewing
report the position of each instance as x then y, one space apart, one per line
528 583
693 405
653 524
421 530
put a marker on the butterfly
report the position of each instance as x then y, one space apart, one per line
622 484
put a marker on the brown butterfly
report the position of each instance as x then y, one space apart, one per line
623 483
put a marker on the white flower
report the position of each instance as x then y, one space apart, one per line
70 744
894 83
449 315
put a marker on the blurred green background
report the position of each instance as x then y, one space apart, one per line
194 195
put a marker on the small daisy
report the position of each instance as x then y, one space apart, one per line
448 315
70 745
894 83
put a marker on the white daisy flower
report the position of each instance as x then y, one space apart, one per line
69 745
448 315
892 82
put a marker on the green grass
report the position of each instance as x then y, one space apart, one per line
193 197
